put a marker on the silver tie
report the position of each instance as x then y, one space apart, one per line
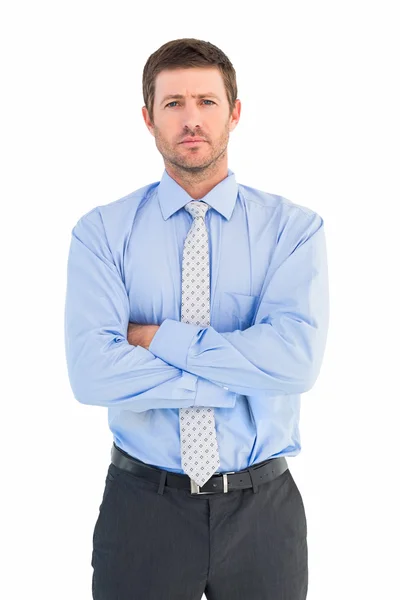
199 447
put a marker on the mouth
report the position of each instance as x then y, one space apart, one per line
193 142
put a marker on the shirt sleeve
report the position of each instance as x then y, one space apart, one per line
104 369
282 352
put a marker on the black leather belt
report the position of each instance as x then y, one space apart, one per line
220 482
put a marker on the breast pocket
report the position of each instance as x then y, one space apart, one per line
238 309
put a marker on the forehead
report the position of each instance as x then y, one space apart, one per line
189 81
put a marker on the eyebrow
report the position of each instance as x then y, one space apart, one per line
181 97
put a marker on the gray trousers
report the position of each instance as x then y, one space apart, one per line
240 545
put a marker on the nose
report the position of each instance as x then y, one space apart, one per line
191 116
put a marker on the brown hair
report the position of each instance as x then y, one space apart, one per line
187 53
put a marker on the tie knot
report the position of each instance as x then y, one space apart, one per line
197 208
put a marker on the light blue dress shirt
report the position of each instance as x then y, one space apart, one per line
269 311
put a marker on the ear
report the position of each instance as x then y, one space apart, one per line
234 119
147 120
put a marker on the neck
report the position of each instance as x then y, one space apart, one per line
197 184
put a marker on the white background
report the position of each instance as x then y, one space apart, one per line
318 83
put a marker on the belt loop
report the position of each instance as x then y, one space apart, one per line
162 482
253 480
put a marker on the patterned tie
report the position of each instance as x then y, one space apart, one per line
199 447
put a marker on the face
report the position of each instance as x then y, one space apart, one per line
176 119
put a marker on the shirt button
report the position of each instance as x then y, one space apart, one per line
225 388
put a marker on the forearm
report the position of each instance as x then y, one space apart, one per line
104 369
283 351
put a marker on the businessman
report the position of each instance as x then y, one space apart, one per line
197 313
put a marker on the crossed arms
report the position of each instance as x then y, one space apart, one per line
113 362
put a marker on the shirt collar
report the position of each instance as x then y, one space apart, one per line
173 197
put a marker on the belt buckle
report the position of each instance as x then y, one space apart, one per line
195 488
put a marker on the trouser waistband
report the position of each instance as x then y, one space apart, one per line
253 476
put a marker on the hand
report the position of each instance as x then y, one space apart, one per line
141 335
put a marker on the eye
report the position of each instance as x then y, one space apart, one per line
175 102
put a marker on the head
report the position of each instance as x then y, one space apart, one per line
189 91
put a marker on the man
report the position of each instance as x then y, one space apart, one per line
197 312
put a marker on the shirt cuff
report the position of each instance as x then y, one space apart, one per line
188 382
213 394
172 342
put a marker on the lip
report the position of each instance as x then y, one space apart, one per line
192 141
